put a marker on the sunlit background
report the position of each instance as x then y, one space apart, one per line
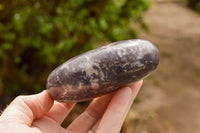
36 36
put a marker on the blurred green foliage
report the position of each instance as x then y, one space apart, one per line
194 4
36 36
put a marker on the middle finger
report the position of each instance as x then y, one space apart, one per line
91 115
59 111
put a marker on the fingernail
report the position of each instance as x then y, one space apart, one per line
42 92
91 131
139 84
135 88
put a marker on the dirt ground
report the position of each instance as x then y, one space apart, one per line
169 101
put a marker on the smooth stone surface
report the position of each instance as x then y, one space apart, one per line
102 70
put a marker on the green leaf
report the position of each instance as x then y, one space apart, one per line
1 7
6 46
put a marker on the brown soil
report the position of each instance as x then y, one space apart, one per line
169 101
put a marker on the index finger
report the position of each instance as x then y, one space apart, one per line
117 109
59 111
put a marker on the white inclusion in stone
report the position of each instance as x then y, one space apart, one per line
134 76
65 89
138 64
121 52
94 83
79 85
90 70
68 88
58 78
82 66
89 67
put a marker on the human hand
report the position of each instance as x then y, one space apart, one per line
40 114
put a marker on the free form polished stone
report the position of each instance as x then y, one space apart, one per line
102 70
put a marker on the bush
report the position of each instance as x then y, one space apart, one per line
36 36
194 4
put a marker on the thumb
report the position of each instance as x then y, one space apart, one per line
24 109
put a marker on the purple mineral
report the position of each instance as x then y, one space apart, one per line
102 70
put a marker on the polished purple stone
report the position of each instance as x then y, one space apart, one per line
102 70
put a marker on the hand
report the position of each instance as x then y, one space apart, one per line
40 114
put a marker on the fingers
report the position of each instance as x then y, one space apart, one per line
113 107
117 109
24 109
59 111
48 125
94 128
92 114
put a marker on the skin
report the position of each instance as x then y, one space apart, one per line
40 114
